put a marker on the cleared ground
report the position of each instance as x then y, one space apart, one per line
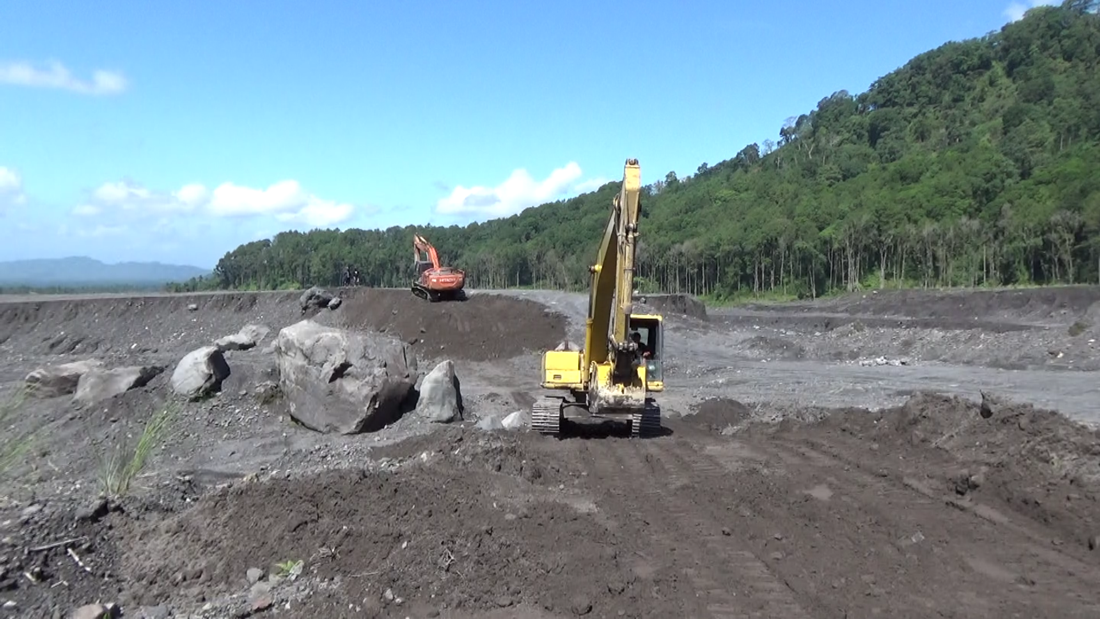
774 493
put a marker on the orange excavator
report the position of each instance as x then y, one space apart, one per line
435 282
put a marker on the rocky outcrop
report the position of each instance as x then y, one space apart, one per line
200 373
440 395
343 382
98 384
52 381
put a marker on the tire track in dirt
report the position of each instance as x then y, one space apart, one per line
911 552
1007 542
729 582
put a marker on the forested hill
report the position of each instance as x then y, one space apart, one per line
975 163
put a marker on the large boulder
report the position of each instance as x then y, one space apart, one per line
440 395
200 373
315 298
98 384
52 381
343 382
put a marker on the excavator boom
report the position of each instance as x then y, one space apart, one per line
614 373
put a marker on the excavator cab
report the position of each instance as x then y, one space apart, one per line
649 327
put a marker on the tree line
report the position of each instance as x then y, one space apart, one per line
974 164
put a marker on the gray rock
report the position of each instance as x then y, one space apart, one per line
314 298
52 381
256 333
98 385
237 341
155 612
254 575
441 394
96 611
517 420
490 424
335 303
200 373
344 382
192 307
247 338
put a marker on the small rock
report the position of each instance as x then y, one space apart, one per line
96 611
1094 541
262 602
192 307
155 612
504 601
516 420
489 424
726 531
254 575
581 606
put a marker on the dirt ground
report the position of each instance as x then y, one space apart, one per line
805 471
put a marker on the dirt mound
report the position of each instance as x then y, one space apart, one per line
484 327
1020 459
716 414
448 538
684 304
123 326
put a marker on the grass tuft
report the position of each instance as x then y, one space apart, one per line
122 465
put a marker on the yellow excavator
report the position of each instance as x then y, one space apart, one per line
620 365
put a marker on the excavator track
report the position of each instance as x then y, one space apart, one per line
424 293
546 416
647 422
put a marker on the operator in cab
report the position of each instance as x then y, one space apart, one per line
643 350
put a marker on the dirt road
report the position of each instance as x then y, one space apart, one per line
758 502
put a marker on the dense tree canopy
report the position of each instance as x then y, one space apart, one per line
974 164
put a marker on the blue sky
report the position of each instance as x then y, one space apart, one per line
176 131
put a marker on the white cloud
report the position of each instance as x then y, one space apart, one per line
285 200
516 193
1016 10
11 189
56 75
231 200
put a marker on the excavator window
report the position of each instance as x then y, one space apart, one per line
650 331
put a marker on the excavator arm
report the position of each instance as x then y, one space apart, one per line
612 288
422 246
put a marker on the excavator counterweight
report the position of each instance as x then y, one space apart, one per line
435 282
620 364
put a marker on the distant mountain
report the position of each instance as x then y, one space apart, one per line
84 271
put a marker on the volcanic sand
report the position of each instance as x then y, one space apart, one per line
759 500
